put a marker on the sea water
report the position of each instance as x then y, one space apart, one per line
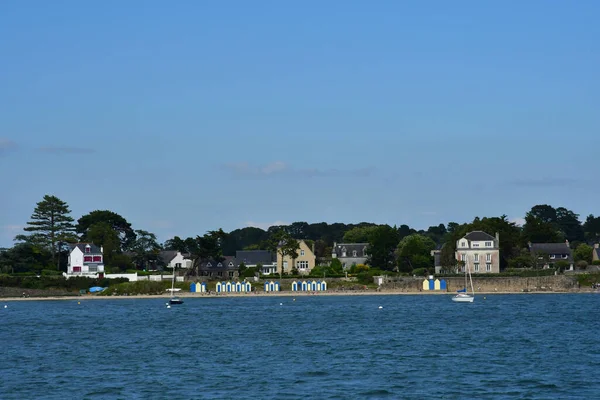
531 346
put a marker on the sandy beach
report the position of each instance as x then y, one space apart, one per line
281 294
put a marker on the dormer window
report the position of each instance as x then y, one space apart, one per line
488 244
364 251
463 244
219 265
208 264
88 249
231 264
343 251
354 253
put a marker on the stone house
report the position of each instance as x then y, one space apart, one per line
550 253
228 268
252 258
305 262
350 253
480 252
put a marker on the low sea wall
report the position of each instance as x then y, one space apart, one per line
555 283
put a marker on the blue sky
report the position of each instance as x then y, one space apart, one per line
193 115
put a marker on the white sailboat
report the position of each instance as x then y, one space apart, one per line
462 296
174 299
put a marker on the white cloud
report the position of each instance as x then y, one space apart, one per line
6 145
281 168
66 150
518 221
265 225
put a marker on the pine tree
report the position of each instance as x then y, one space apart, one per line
51 225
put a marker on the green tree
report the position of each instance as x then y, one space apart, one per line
382 244
118 223
583 252
359 234
591 228
414 251
206 247
146 248
569 225
103 234
336 266
285 245
51 225
25 257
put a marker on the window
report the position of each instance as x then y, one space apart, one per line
463 244
476 257
488 267
464 256
88 249
552 256
208 264
488 257
76 269
87 258
231 274
93 268
301 252
285 264
231 264
219 265
476 267
97 259
343 252
220 273
488 244
475 245
302 264
354 253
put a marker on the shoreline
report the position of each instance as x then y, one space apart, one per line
280 294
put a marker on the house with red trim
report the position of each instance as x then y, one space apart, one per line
86 259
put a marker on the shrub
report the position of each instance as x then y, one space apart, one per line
419 272
596 262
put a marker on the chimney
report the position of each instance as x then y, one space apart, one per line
498 238
567 243
102 249
597 245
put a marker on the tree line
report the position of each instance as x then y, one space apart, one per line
45 242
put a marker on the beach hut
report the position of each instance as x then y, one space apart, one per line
294 286
431 284
436 284
313 286
304 287
425 284
246 287
219 288
443 285
192 287
321 286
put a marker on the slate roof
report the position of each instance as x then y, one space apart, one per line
214 265
478 236
350 247
81 246
254 257
552 249
167 255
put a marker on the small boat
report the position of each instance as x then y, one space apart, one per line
174 299
462 296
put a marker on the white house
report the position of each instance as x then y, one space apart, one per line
480 252
172 258
85 259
